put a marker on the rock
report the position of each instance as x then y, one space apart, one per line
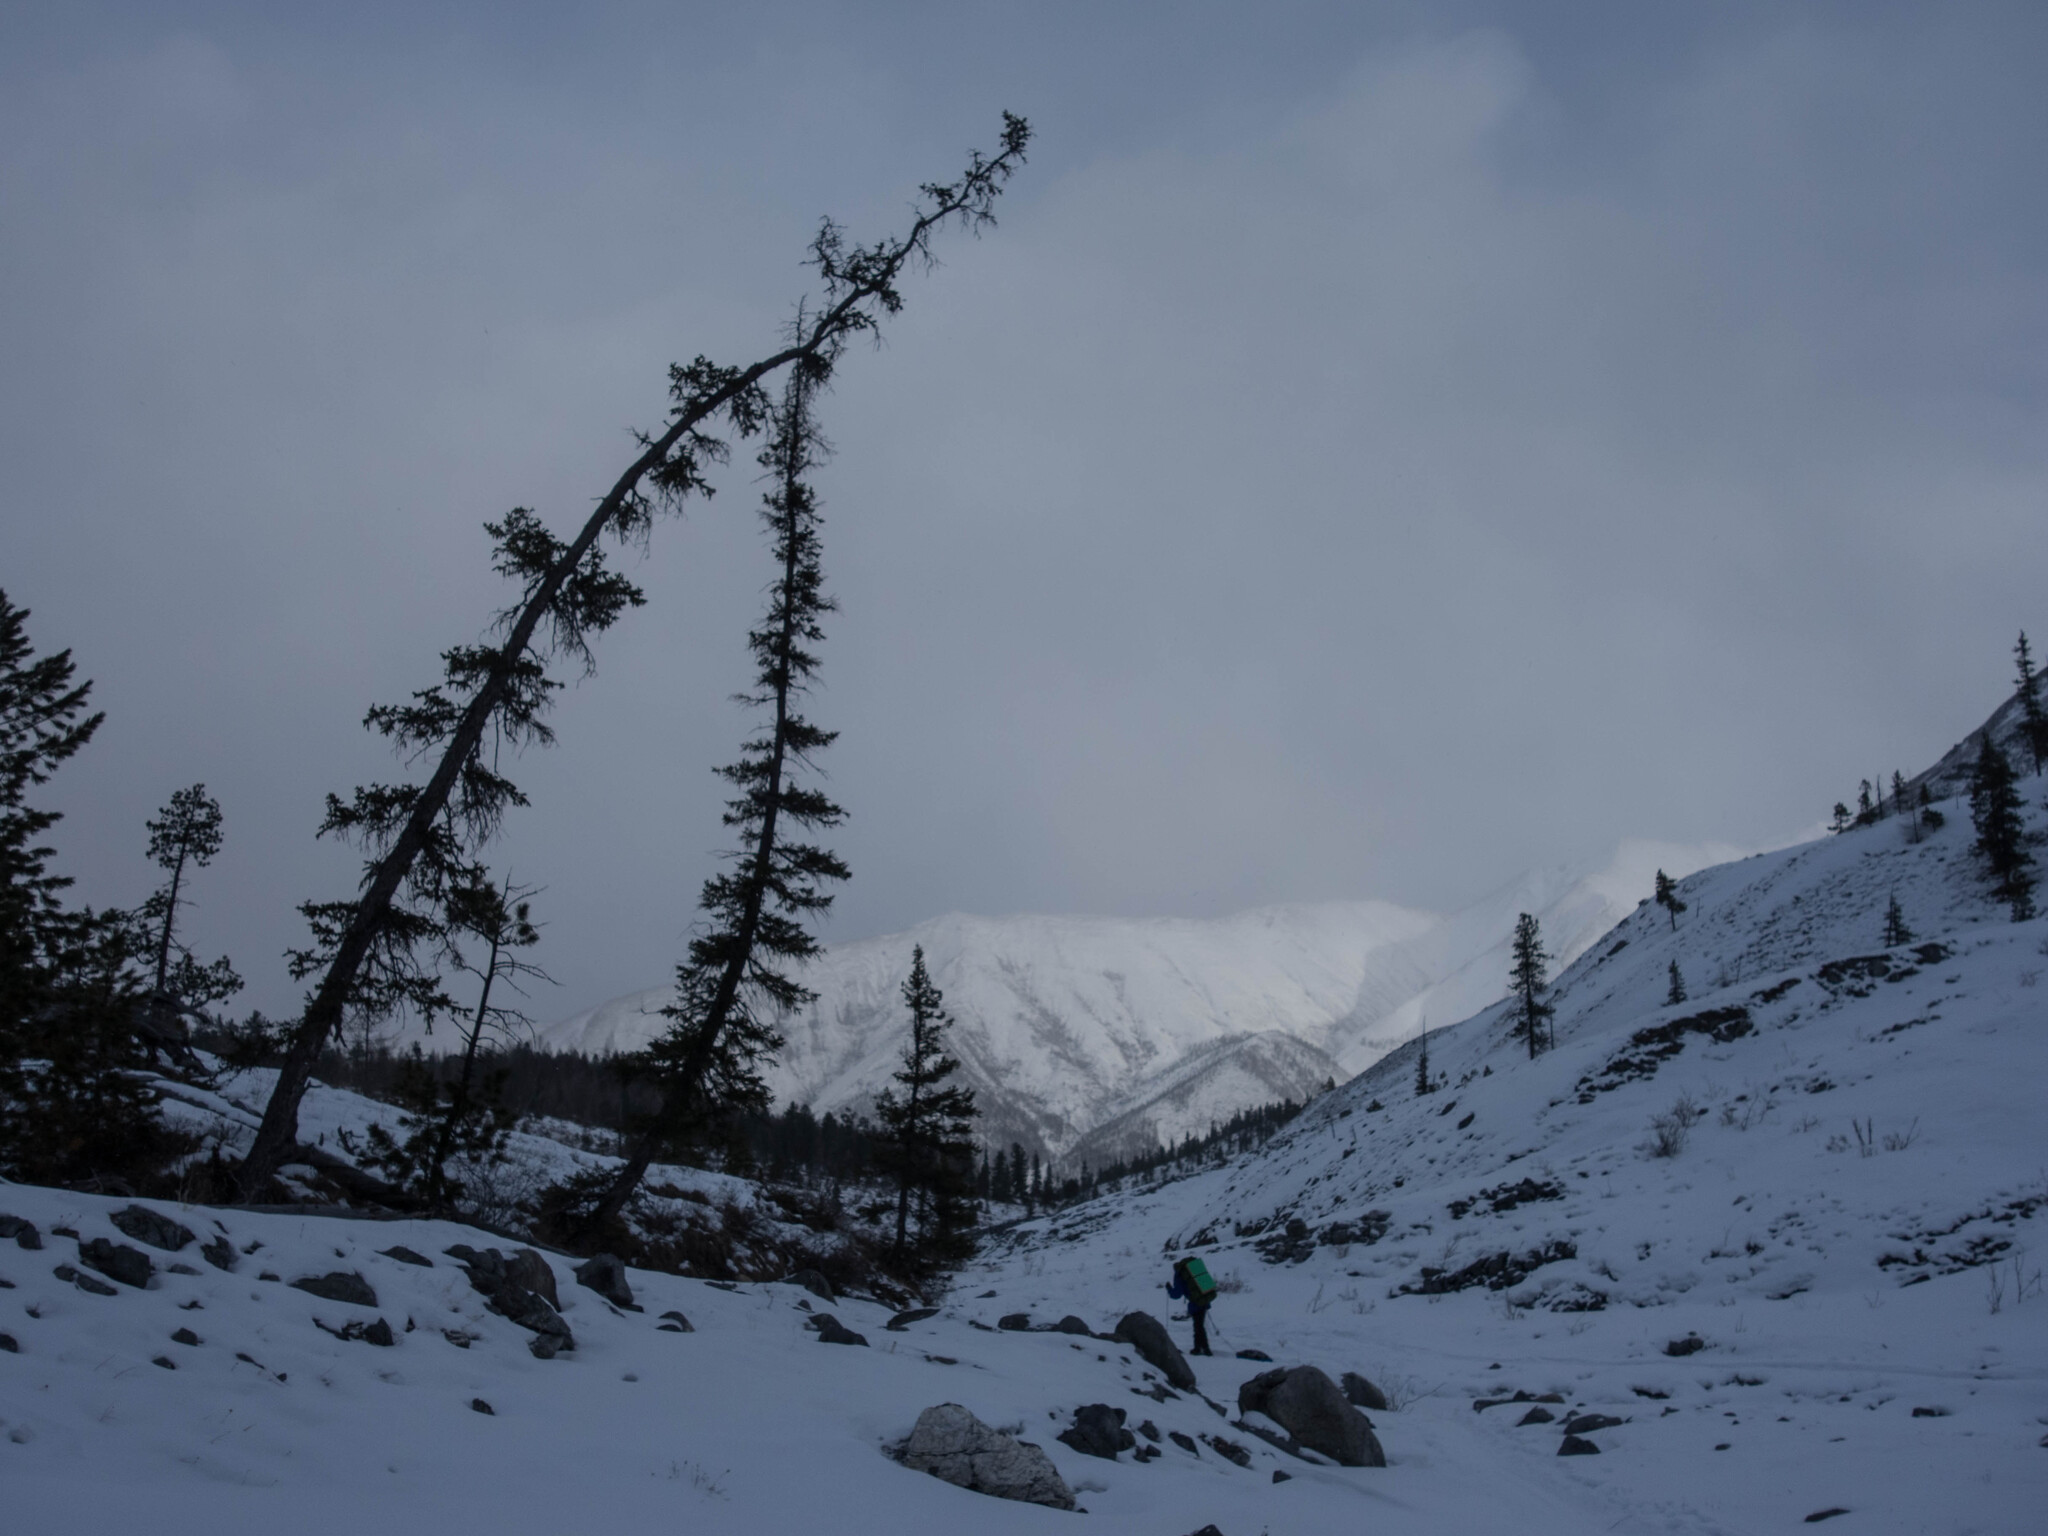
166 1362
117 1261
268 1275
478 1405
544 1346
22 1231
1207 1530
832 1331
1098 1430
185 1336
1536 1416
1574 1446
147 1226
1308 1405
1930 1413
180 1269
815 1283
1229 1450
1145 1453
1015 1322
1255 1354
7 1343
491 1275
1148 1336
1363 1394
84 1282
341 1285
527 1268
220 1253
1185 1442
1282 1477
405 1255
1072 1324
379 1333
953 1445
675 1322
1691 1344
1824 1514
606 1275
903 1320
532 1312
1586 1423
1149 1430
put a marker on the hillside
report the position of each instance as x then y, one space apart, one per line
1083 1036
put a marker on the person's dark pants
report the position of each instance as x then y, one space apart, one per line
1201 1317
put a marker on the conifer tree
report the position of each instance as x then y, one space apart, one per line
1528 981
927 1129
188 832
2033 722
1864 811
1677 992
1667 898
2001 834
422 840
1840 823
1422 1082
737 979
1895 930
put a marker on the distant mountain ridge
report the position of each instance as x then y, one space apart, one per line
1093 1036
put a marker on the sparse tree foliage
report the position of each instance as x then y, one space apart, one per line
2001 833
186 833
1422 1083
1895 930
927 1133
1667 898
1840 821
421 840
1677 992
2033 721
1528 979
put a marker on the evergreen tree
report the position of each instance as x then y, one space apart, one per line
1840 823
1677 992
1667 898
1895 930
2033 722
1930 818
999 1189
926 1131
1864 811
1422 1083
187 833
2001 834
423 840
1528 981
736 979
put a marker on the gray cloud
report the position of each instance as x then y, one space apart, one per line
1364 462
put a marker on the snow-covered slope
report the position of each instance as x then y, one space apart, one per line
1072 1025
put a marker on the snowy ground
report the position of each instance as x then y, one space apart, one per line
1874 1333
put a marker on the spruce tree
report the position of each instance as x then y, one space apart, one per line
1895 930
737 979
1667 898
927 1129
421 840
2033 722
1840 823
2001 833
187 832
1422 1082
1677 992
1864 811
1528 980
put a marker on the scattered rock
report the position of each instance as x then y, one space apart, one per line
490 1274
461 1338
1574 1446
153 1228
832 1331
343 1285
1587 1423
7 1343
1310 1407
166 1362
1149 1430
528 1269
478 1405
22 1231
1824 1514
269 1275
185 1336
1015 1322
405 1255
675 1322
180 1269
1146 1453
1362 1393
953 1445
1930 1413
1255 1354
1207 1530
903 1320
1651 1393
1185 1442
1148 1336
1229 1450
813 1282
544 1346
1072 1324
220 1253
1282 1477
1536 1416
1691 1344
606 1275
379 1333
117 1261
1098 1430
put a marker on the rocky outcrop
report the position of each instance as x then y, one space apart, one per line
493 1277
147 1226
606 1275
952 1444
117 1261
1148 1336
342 1285
1308 1405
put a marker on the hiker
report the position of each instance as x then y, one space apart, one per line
1191 1284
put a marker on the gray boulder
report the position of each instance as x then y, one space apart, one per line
1098 1430
815 1283
1148 1336
606 1275
903 1320
147 1226
220 1253
952 1444
1015 1322
832 1331
21 1230
527 1268
117 1261
1363 1394
1072 1324
342 1285
1308 1405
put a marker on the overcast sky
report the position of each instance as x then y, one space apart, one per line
1382 448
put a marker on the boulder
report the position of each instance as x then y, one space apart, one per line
405 1255
341 1285
1363 1394
815 1283
1536 1416
1098 1430
1308 1405
527 1268
491 1275
21 1230
1015 1322
953 1445
85 1282
1586 1423
1185 1442
147 1226
1148 1336
1574 1446
832 1331
675 1322
220 1253
903 1320
117 1261
1072 1324
606 1275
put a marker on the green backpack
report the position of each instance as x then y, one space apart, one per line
1198 1280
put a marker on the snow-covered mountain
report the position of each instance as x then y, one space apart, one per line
1114 1031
